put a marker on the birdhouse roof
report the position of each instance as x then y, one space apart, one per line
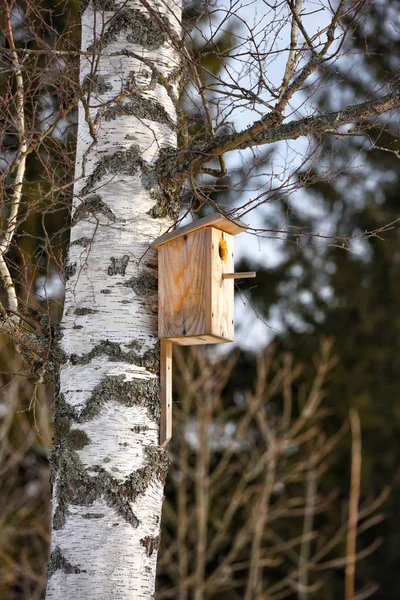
233 227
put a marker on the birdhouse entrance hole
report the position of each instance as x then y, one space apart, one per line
223 249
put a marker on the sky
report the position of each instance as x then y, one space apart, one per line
260 27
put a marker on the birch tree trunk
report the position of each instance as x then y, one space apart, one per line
108 470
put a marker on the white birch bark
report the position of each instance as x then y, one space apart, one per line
108 470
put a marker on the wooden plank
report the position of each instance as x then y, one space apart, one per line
184 302
238 275
166 391
198 340
233 227
221 290
195 302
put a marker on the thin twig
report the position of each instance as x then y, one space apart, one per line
353 505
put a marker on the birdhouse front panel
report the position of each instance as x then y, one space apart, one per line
222 290
195 302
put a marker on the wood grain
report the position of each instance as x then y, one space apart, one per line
195 303
183 306
222 291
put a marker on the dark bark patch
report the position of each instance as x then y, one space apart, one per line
143 285
135 346
69 270
122 162
158 461
62 428
118 265
48 366
93 516
165 209
57 561
98 4
142 108
129 393
150 544
63 410
95 84
83 241
139 428
77 439
170 177
91 206
150 182
113 350
151 359
54 355
138 27
127 162
81 311
155 468
106 291
76 487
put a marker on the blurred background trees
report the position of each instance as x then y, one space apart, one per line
351 290
250 509
237 470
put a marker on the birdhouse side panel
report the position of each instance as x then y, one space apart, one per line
222 290
183 286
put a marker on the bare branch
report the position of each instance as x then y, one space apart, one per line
261 132
20 161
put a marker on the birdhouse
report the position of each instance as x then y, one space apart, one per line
195 293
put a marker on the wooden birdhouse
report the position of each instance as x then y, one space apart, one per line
195 293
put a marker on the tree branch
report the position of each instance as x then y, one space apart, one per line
21 162
261 132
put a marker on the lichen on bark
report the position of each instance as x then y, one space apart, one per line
122 162
98 4
76 487
82 311
57 561
69 270
137 392
142 108
118 265
148 359
91 206
95 84
155 468
145 284
77 439
170 175
138 27
82 241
